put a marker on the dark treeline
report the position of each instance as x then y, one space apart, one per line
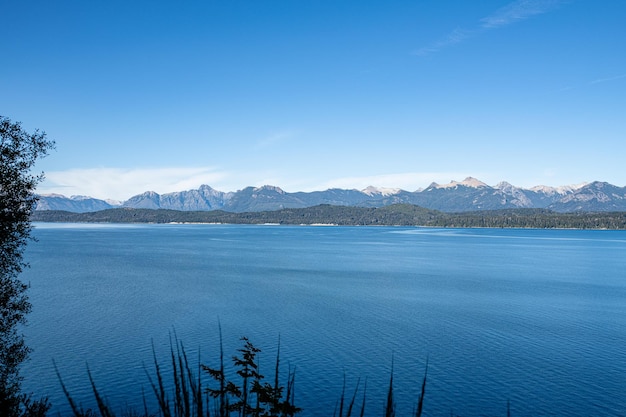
394 215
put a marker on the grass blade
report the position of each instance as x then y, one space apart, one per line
390 408
349 412
77 411
104 409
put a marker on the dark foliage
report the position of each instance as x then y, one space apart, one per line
189 398
248 395
19 151
394 215
253 397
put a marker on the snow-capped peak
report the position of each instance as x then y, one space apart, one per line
383 191
467 182
270 188
503 185
562 190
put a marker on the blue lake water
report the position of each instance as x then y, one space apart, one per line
534 317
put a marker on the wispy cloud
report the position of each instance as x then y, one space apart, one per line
604 80
517 11
274 139
121 184
458 35
593 82
511 13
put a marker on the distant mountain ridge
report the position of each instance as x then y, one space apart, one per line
456 196
75 203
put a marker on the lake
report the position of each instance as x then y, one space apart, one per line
533 317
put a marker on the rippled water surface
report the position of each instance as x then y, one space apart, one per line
534 317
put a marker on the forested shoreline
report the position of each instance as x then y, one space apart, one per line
394 215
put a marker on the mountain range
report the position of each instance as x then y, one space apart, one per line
456 196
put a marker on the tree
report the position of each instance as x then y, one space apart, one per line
19 151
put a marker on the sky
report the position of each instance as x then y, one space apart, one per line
308 95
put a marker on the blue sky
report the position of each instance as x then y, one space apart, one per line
310 95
